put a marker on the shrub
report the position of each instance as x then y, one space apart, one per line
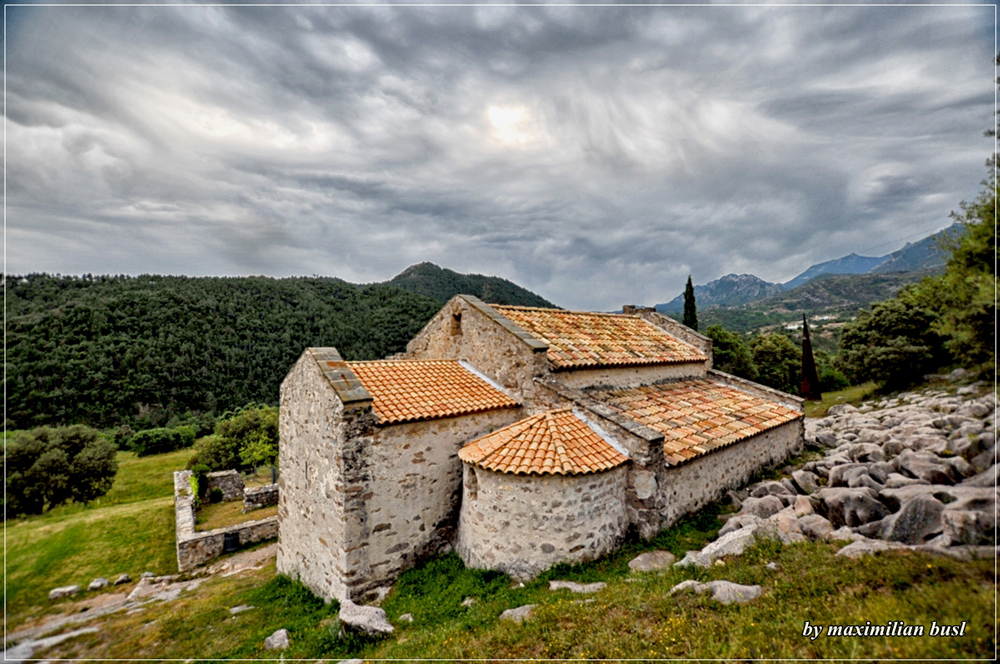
123 437
779 362
731 353
215 495
245 439
158 441
50 466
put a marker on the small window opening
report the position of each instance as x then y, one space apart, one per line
456 324
472 483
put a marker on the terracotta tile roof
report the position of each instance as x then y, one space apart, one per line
555 442
580 340
697 416
407 390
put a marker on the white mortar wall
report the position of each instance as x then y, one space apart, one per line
689 487
524 524
310 511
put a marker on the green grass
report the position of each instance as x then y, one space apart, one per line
130 529
853 395
219 515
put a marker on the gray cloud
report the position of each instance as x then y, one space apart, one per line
593 154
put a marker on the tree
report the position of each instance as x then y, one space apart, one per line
730 353
243 440
690 307
47 467
778 361
895 343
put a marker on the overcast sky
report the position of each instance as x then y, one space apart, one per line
596 155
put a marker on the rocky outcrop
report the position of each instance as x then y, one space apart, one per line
368 620
915 471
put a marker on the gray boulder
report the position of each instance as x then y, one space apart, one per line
740 521
895 481
841 475
768 488
918 520
726 592
869 452
369 620
277 641
763 507
880 471
652 561
865 480
969 526
925 466
807 482
815 527
580 588
98 583
987 478
864 546
63 591
826 439
124 578
851 507
520 614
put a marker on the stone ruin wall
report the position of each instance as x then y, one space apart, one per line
228 481
687 488
524 524
258 497
488 343
196 548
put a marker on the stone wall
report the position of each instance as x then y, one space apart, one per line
690 486
261 496
196 548
628 376
522 525
467 329
229 481
359 503
312 455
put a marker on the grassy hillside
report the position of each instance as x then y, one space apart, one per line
107 350
442 284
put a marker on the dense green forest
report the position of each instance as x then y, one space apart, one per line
441 284
146 350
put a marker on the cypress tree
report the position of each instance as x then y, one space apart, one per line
690 308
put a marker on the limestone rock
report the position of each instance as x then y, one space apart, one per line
693 559
147 575
406 617
240 609
520 614
866 546
726 592
768 488
925 466
763 507
918 520
277 641
98 583
815 527
468 601
574 587
651 561
63 591
842 474
895 481
807 482
802 506
740 521
987 478
731 544
124 578
851 507
969 526
368 620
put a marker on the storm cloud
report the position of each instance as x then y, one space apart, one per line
596 155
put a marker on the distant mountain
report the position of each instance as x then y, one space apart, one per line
850 264
728 291
442 284
922 255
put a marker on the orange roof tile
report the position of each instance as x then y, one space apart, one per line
555 442
697 416
407 390
580 340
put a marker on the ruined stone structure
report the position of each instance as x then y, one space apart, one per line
522 437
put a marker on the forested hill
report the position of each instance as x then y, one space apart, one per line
442 284
141 350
